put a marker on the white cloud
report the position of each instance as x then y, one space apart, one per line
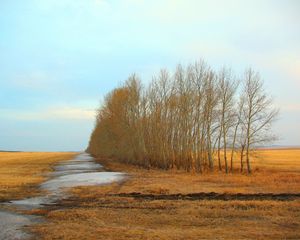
69 113
291 107
51 113
32 80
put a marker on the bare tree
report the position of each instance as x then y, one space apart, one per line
258 113
237 120
227 89
182 120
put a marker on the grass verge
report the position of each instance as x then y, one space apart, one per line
21 172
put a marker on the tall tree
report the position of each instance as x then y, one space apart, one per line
179 120
258 113
227 89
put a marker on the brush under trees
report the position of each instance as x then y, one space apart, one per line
195 119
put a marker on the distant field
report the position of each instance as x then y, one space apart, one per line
20 172
279 159
99 212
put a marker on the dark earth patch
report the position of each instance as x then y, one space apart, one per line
213 196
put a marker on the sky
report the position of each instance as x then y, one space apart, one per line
58 58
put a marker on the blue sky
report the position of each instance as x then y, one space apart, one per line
58 58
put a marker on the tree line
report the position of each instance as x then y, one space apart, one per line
196 119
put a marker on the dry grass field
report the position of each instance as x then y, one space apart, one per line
115 218
21 172
101 213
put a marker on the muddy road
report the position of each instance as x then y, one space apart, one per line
80 171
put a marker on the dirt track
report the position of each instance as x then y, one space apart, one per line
213 196
110 200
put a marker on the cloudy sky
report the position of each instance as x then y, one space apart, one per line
59 57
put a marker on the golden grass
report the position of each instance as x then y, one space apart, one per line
94 214
21 172
130 219
278 159
270 175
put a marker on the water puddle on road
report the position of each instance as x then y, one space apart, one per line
81 171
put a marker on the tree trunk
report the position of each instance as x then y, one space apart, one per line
219 150
248 160
242 158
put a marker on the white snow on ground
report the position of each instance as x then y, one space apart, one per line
81 179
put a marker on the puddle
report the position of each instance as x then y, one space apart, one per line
78 166
80 179
80 171
11 225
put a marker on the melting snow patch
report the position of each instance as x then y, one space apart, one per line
81 179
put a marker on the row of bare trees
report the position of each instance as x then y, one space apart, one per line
196 119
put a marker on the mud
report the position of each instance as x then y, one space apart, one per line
213 196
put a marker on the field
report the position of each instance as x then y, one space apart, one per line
21 172
106 212
147 205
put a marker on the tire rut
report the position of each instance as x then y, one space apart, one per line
213 196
